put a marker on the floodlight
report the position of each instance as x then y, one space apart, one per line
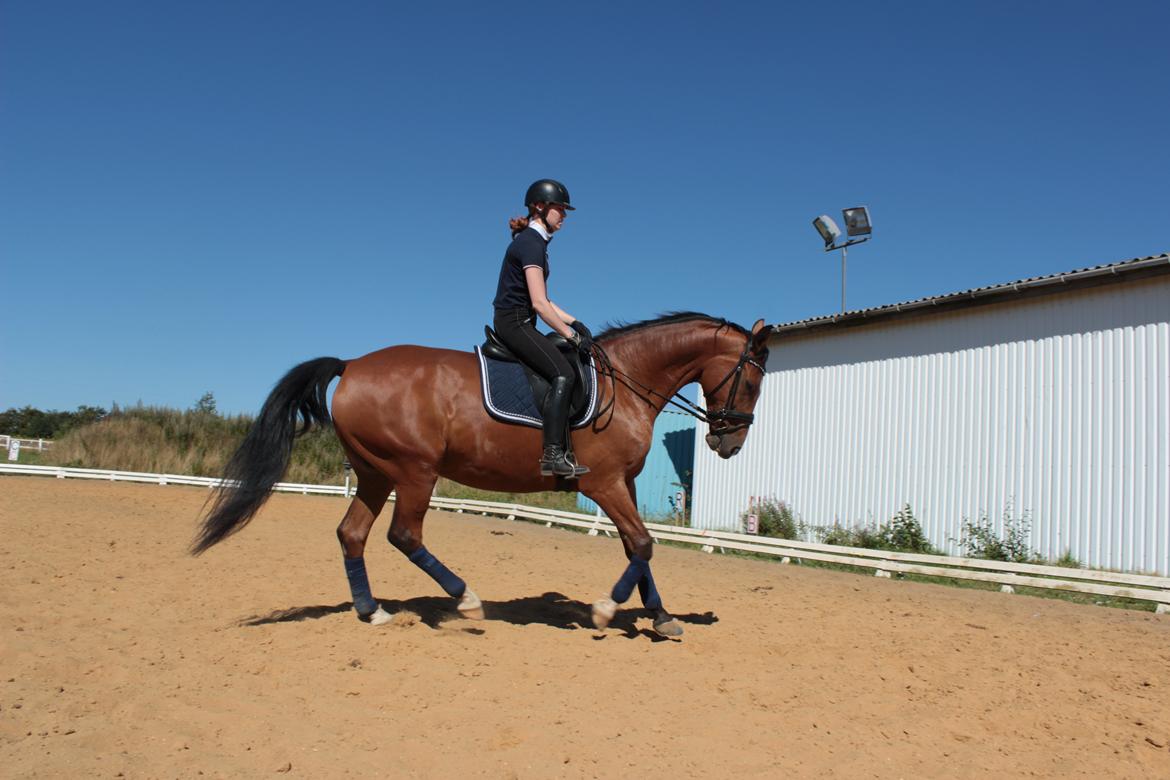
827 228
857 221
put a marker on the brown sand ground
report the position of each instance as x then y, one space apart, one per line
120 656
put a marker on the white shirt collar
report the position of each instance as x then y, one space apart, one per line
539 228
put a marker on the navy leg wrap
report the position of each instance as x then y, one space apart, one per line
359 586
634 574
423 559
649 591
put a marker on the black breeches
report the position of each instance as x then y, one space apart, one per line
517 329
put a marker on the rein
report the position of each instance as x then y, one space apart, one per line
728 412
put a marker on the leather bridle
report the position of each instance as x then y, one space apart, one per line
728 412
734 420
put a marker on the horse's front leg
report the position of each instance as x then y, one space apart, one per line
410 507
619 504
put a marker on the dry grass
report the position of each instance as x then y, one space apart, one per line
168 441
185 442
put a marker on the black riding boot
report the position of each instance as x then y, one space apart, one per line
556 428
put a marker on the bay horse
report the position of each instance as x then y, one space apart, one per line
407 415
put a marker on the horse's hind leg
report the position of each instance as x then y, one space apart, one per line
410 508
372 491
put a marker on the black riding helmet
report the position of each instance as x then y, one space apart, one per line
547 191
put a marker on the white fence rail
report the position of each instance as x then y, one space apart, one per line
38 445
62 472
1103 583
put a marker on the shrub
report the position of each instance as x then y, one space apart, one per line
903 533
835 534
864 536
980 540
205 404
775 519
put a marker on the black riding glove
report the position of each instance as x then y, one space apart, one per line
584 336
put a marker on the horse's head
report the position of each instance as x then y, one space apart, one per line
731 384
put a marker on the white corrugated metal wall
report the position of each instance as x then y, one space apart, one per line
1057 407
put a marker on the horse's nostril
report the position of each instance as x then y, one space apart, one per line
735 450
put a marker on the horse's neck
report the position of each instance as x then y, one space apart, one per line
666 358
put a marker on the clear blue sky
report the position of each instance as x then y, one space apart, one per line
196 196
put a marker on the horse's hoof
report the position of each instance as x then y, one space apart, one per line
470 606
603 612
668 626
380 617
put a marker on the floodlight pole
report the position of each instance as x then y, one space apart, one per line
844 252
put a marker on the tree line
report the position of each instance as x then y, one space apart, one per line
33 423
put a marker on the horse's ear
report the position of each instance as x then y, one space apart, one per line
760 333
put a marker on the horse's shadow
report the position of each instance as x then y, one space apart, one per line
550 609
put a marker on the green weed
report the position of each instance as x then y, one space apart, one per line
902 533
774 519
979 539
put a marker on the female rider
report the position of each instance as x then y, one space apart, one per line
520 294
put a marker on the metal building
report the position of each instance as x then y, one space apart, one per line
1047 398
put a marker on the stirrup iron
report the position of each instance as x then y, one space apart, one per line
556 463
578 469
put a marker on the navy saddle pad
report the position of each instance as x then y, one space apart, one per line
508 397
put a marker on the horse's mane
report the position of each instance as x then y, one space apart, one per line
621 328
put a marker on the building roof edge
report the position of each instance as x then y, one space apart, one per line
1125 270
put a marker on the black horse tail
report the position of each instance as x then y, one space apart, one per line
263 456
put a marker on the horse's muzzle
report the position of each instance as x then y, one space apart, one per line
715 442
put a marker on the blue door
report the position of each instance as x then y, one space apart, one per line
668 470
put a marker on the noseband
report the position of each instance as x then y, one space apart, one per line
741 420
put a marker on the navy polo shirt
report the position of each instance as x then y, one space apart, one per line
529 248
